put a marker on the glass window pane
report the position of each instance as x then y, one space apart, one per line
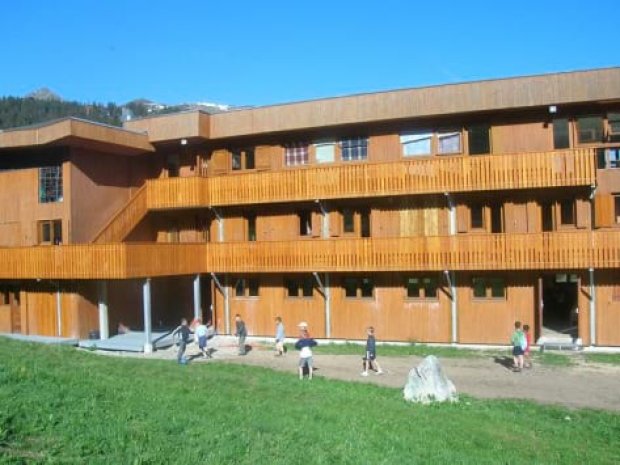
249 159
308 286
50 184
350 287
367 287
253 287
417 147
305 223
477 217
413 288
292 289
498 288
236 160
251 219
430 288
617 208
480 288
560 133
57 232
46 232
365 223
449 142
567 211
479 140
613 158
590 129
325 153
240 288
348 221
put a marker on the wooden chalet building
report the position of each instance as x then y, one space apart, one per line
436 214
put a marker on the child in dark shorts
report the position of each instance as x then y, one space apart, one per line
371 353
517 341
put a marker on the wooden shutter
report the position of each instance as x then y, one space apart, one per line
317 220
462 218
582 208
263 157
603 210
219 162
335 223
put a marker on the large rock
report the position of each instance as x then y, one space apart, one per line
428 383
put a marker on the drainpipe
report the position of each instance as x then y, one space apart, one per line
104 331
146 307
197 298
224 290
451 278
452 213
592 308
220 224
325 287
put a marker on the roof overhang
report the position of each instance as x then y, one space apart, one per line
174 126
77 133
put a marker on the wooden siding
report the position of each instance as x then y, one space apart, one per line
125 219
419 176
567 250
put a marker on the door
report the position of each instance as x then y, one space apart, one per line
560 310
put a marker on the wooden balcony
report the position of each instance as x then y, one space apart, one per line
538 251
416 176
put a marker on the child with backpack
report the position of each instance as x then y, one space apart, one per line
519 344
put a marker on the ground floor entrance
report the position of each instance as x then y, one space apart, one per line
559 306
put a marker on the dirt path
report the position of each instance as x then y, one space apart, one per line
579 386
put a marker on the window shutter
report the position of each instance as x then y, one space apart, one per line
263 157
317 220
603 210
219 162
335 223
462 218
583 213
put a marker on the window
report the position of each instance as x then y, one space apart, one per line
246 287
358 287
547 216
421 288
448 142
296 154
325 151
589 129
567 212
477 216
365 223
173 165
300 287
479 140
497 224
50 184
354 148
50 232
416 144
251 224
348 221
560 133
305 223
608 158
488 288
613 120
242 159
617 209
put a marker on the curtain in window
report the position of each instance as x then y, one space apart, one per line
296 154
449 142
416 143
325 151
354 148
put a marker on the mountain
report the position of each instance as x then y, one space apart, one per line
44 94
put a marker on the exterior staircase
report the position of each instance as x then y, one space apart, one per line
125 220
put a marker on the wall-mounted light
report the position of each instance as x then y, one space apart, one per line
183 141
553 109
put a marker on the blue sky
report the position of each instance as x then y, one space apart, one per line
264 52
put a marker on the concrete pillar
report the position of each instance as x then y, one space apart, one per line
58 311
451 279
146 304
197 298
104 322
227 305
592 308
328 307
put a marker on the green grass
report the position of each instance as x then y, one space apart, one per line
58 405
613 359
413 349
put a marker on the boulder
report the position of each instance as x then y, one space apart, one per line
428 383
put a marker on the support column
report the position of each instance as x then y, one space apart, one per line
146 303
592 308
327 293
104 322
224 290
452 213
451 278
58 310
197 298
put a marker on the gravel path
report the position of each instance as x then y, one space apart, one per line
580 386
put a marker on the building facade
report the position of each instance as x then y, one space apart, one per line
437 214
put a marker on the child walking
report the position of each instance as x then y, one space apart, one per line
183 333
518 345
304 345
371 353
241 333
279 336
201 331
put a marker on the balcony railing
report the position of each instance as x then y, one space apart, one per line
536 251
416 176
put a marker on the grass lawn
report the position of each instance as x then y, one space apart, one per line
58 405
613 359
